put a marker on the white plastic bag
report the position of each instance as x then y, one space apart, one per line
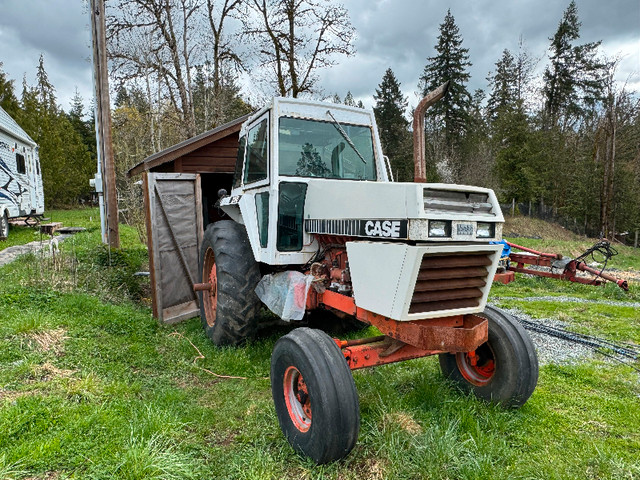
285 293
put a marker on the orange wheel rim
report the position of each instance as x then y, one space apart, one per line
296 397
477 367
210 297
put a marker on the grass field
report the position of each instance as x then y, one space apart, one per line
92 387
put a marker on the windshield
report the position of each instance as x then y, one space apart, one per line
312 148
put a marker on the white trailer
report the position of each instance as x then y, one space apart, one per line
21 192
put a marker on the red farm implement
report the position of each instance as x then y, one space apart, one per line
556 266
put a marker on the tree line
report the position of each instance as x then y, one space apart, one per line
66 141
566 144
566 141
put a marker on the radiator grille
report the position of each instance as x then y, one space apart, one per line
437 201
449 281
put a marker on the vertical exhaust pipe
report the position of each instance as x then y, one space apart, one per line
420 165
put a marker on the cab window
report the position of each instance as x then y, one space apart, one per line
257 161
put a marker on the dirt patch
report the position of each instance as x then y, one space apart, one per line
12 396
47 372
404 421
371 468
49 340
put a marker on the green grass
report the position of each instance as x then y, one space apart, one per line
19 235
92 387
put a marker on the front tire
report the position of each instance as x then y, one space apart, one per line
229 310
503 370
315 396
4 226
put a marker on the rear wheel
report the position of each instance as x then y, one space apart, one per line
503 370
315 396
229 308
4 226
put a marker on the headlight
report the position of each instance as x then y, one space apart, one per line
486 230
439 228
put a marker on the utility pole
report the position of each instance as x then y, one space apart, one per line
106 168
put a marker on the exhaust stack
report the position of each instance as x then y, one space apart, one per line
420 172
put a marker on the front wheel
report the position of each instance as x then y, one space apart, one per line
314 395
503 370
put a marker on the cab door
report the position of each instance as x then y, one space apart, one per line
256 197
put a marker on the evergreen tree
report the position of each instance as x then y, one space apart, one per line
504 85
573 80
450 63
65 161
392 126
8 99
349 100
45 90
84 128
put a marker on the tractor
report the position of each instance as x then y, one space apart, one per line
318 225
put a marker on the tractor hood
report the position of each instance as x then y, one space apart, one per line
402 211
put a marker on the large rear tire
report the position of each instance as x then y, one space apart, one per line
229 310
504 370
314 395
4 226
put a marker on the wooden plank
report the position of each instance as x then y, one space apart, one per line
49 228
214 151
206 169
183 311
151 244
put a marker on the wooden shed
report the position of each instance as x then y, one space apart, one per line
180 186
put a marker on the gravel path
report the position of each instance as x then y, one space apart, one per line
10 254
552 349
565 299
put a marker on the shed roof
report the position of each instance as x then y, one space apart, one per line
11 127
180 149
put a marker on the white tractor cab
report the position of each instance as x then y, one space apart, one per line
317 224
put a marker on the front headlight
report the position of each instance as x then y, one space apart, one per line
485 230
440 228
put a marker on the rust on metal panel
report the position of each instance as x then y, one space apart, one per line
458 333
420 165
452 334
372 354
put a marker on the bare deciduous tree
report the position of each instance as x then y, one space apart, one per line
298 37
156 36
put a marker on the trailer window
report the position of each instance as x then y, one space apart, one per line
257 153
20 165
312 148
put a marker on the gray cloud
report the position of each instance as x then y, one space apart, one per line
400 34
58 29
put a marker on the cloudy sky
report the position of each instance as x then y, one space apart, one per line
399 34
